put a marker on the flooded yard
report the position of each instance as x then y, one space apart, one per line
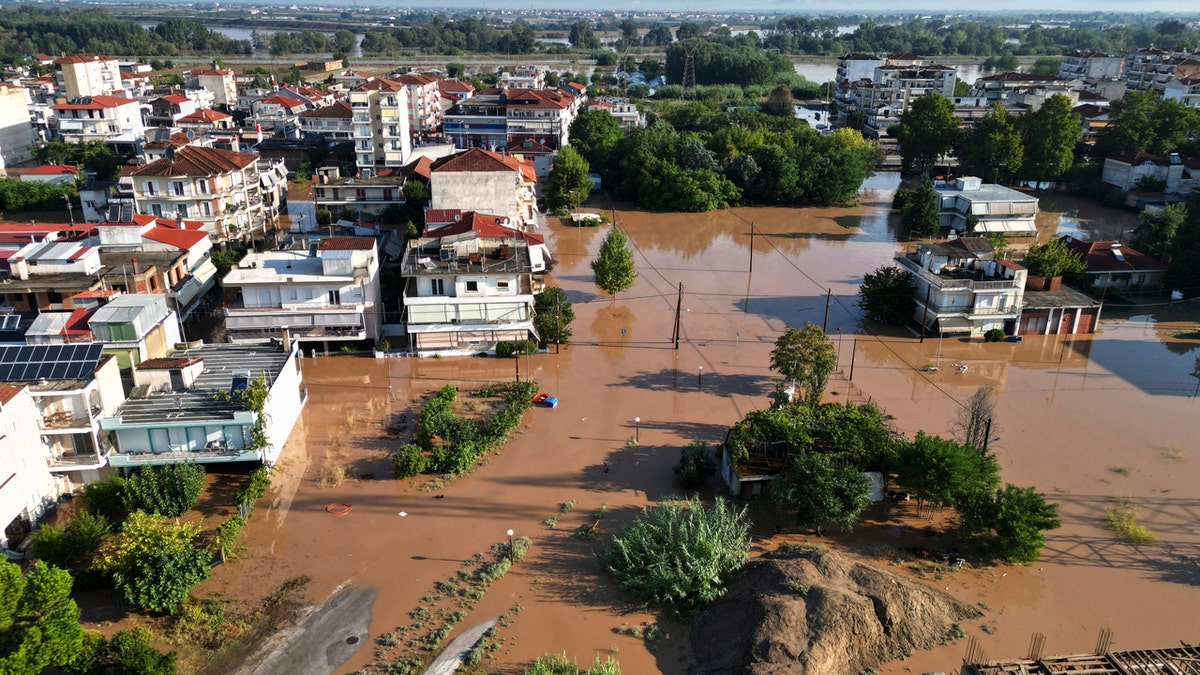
1084 419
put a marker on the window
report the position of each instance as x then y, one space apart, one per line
177 188
156 209
205 209
202 187
183 210
439 286
472 286
502 285
122 332
335 297
150 188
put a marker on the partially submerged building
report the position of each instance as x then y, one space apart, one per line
993 209
961 288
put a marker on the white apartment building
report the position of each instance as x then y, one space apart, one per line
892 88
1091 67
27 488
100 118
382 132
424 103
545 115
996 209
326 293
17 134
220 188
1186 90
334 122
960 288
89 75
219 82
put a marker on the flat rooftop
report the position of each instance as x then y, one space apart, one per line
1064 297
988 192
198 404
278 267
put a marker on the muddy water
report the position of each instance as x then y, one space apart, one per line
1068 413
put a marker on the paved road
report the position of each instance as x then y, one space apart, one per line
450 659
329 636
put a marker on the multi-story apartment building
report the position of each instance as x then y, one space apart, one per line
279 115
856 67
523 77
165 111
480 121
89 75
219 188
72 387
326 293
1153 67
994 209
479 180
17 134
382 136
1013 89
893 87
545 115
961 288
1186 90
334 122
368 196
624 110
455 90
1091 67
424 103
99 118
28 489
206 121
220 82
471 286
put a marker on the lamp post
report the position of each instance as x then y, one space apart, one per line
637 428
70 208
511 556
699 375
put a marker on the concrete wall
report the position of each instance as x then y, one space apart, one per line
26 484
493 192
283 405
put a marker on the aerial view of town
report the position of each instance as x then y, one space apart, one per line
537 339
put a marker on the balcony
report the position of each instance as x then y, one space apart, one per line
951 283
65 421
75 462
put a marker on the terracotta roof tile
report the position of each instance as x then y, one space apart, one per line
1100 256
339 110
204 115
184 239
195 161
83 58
50 170
96 103
346 244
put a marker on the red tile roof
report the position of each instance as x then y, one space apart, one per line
420 80
479 160
1100 256
339 110
1141 158
204 115
284 101
212 73
174 98
381 84
346 244
184 239
195 161
485 225
97 103
177 140
421 167
83 58
451 84
549 99
9 391
50 170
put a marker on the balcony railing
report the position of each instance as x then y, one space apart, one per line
951 283
75 461
64 420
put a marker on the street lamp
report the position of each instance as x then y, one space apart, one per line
699 375
637 427
511 557
70 208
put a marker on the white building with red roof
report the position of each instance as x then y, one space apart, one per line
206 120
424 103
89 75
382 125
165 111
485 181
455 90
55 174
100 118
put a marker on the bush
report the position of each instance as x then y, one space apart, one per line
170 490
73 545
227 534
677 557
562 665
994 335
159 579
696 466
256 488
129 651
409 460
106 498
505 349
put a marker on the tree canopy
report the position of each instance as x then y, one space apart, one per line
992 147
919 208
817 489
39 622
1050 135
613 267
1013 521
926 132
807 357
886 295
545 306
1053 258
568 184
942 472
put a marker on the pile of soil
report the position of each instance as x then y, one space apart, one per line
818 611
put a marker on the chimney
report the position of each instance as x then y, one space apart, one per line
20 268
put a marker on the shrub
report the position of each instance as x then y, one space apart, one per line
494 570
129 651
1123 520
696 466
170 490
994 335
227 534
505 349
159 579
143 532
409 460
680 557
562 665
106 498
74 544
255 489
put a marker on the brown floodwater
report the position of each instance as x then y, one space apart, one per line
1069 412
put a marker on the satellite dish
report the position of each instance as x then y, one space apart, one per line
170 153
191 135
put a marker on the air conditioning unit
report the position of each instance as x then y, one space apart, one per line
449 253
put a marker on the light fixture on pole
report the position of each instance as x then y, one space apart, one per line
511 556
637 427
699 375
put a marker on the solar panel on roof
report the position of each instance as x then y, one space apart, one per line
9 321
30 363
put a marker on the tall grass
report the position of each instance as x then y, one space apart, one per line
1123 520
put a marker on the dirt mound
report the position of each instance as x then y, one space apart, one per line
817 611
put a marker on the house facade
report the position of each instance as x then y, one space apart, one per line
480 121
994 209
188 408
382 132
368 196
1175 174
961 288
27 488
1114 267
327 293
100 118
470 286
220 82
424 103
335 122
89 75
479 180
1091 67
1186 90
17 133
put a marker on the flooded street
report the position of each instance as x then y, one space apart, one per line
1070 412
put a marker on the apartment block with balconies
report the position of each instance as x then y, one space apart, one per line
424 103
381 123
100 118
326 293
89 75
961 288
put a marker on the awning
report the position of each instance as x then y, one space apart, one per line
1006 227
954 325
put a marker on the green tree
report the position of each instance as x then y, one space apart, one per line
1175 126
886 295
1050 135
614 265
456 70
992 147
1158 231
816 490
943 472
680 558
779 102
919 208
72 545
344 41
595 133
1130 127
39 622
582 37
1053 258
130 652
807 357
1013 521
568 184
158 579
1046 65
547 305
170 490
696 465
224 260
926 132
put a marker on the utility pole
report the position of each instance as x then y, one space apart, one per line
987 434
751 248
557 329
825 323
925 312
853 353
678 308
